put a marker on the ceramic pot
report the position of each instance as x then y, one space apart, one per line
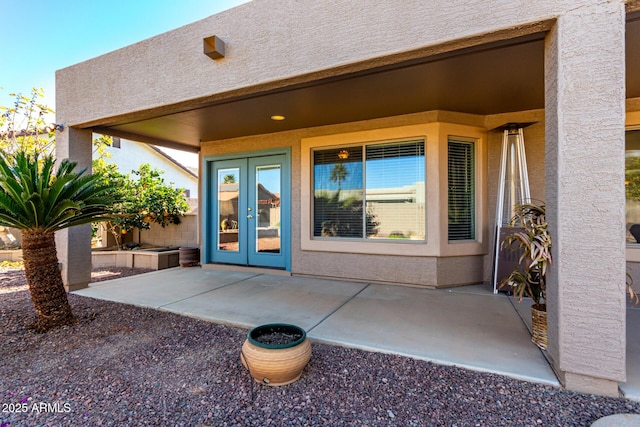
276 362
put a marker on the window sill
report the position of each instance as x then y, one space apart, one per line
411 248
405 248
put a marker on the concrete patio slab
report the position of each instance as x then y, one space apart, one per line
467 326
159 288
269 299
471 328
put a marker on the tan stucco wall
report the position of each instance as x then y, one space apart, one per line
274 47
459 270
381 262
585 113
73 244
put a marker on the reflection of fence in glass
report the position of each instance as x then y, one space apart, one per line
400 212
268 214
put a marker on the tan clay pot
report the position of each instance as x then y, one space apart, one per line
276 364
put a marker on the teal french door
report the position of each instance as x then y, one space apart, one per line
250 211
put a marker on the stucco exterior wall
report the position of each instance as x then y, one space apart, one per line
396 262
275 48
585 99
73 244
460 270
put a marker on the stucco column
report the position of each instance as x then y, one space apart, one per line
585 90
74 244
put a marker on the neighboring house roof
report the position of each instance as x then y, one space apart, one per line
191 171
128 155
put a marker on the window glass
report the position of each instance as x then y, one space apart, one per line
461 190
632 185
338 192
395 193
374 191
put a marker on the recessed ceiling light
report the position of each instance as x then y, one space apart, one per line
277 117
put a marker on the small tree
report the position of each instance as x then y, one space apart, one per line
23 126
39 200
141 200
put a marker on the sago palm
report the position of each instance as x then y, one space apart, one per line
40 199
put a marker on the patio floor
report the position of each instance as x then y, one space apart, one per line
466 326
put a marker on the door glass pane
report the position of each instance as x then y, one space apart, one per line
267 215
228 193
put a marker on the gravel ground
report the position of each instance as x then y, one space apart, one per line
122 365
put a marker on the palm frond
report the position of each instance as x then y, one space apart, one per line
36 195
532 238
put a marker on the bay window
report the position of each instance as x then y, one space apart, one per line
370 191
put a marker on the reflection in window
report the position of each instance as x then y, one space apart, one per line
337 182
395 191
267 220
632 185
228 193
374 191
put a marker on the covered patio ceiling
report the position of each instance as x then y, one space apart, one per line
489 79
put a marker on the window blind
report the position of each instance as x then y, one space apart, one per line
461 183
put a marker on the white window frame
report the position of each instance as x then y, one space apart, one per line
363 146
473 143
436 137
632 249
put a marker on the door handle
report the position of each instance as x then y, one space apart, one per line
249 216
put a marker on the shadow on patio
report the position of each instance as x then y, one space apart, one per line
467 326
